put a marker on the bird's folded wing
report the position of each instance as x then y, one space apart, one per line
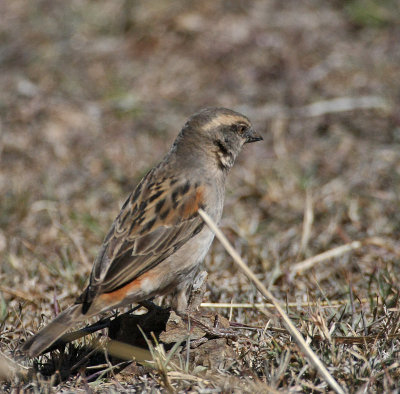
155 221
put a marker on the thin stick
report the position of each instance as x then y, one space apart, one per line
18 294
248 305
335 252
307 222
286 320
306 264
9 368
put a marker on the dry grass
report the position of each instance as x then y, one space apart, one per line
92 93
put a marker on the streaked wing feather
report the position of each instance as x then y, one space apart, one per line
155 221
127 267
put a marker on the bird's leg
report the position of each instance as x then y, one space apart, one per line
188 297
187 309
197 291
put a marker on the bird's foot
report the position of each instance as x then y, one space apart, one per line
214 326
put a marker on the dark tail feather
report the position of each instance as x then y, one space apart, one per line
37 344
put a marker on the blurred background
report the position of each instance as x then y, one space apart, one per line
92 94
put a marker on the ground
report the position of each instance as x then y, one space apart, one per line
92 94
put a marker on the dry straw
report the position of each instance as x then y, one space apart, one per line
286 320
307 264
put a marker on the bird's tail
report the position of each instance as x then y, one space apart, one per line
37 344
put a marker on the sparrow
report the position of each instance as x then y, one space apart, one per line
158 241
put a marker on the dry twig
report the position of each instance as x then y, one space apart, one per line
288 323
306 264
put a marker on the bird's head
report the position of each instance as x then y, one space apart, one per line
220 132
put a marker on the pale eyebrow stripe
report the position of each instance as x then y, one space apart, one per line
224 119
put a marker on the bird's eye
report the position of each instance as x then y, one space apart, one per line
241 128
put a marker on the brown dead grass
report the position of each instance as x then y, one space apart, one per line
93 93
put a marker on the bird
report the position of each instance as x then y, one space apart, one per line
158 241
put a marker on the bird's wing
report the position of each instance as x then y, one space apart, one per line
156 220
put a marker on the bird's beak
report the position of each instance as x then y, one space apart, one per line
253 136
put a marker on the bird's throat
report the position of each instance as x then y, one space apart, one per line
225 156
